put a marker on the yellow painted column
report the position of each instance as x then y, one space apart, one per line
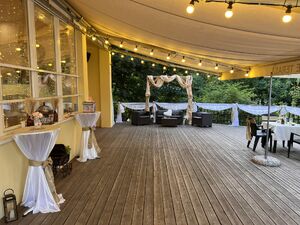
106 101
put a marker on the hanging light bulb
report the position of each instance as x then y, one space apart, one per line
94 38
186 72
208 76
232 71
121 44
174 69
247 74
112 53
183 59
135 48
168 57
287 17
152 52
106 41
142 61
219 78
217 67
191 8
229 12
164 68
153 64
131 58
200 63
122 56
197 74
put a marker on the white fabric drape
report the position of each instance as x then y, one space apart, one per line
214 106
292 110
87 120
258 109
129 105
235 122
37 146
184 82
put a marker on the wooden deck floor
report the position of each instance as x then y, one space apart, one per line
185 175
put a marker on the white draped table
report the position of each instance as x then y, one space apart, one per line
89 148
282 132
39 193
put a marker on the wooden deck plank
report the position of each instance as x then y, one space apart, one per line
151 175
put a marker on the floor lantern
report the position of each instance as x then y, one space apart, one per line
10 206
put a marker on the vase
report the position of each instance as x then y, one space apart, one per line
37 123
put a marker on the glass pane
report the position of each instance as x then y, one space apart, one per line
13 33
47 85
15 83
67 47
13 114
70 104
44 27
69 85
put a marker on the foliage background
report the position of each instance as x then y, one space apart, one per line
129 85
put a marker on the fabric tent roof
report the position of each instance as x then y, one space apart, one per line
254 35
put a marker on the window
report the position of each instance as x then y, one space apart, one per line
13 33
48 77
44 32
67 48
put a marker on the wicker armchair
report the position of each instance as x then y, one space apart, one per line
202 119
140 118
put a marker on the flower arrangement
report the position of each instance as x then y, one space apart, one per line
37 115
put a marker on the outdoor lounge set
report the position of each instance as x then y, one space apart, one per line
201 119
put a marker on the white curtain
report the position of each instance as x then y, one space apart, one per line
184 82
37 194
258 109
235 122
214 106
290 109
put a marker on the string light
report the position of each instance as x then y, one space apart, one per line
186 72
18 71
168 57
208 76
112 53
135 48
122 56
164 68
37 45
142 61
183 59
174 69
121 44
131 58
63 61
106 41
247 74
219 78
232 71
94 38
197 74
200 63
18 49
191 8
229 12
153 64
287 17
217 67
152 52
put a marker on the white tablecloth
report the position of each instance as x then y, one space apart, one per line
87 120
37 194
282 132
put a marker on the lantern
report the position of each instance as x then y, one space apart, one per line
10 206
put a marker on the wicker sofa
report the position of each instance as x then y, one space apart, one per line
178 114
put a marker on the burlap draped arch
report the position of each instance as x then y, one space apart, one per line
184 82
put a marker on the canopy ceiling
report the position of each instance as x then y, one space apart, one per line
254 35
